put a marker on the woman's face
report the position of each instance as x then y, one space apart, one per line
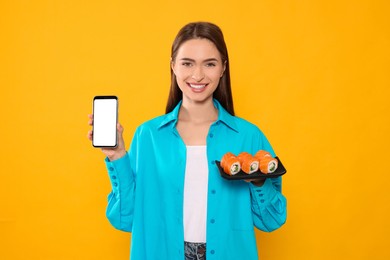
198 68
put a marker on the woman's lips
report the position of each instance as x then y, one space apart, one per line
197 86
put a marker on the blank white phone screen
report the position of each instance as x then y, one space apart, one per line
104 122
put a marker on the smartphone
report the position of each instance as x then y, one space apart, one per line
105 119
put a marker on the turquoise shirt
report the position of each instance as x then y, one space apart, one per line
147 191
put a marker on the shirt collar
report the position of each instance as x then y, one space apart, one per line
171 116
223 116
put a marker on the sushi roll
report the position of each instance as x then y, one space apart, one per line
249 164
225 157
230 164
261 154
268 164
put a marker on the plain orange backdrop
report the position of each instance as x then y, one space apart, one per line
313 75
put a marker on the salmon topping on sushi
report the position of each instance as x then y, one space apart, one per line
268 165
249 164
261 154
230 164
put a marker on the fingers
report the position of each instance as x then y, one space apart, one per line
120 130
251 180
119 127
90 122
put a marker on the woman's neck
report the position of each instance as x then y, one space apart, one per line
198 112
194 121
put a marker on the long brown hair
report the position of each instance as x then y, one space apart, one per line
202 30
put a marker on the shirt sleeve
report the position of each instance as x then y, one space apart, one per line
120 208
269 206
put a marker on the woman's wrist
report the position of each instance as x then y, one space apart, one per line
116 155
258 183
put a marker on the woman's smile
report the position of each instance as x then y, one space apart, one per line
198 68
197 87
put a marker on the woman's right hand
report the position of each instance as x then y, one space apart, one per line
112 153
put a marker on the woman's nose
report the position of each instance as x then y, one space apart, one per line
197 74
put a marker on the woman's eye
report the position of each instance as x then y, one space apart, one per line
187 64
211 64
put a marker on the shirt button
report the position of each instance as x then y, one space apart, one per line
212 162
115 184
212 221
211 135
212 252
262 201
213 191
111 168
113 177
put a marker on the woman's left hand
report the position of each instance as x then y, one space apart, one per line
256 182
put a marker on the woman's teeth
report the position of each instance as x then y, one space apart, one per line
196 86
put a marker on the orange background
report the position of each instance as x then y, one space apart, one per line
313 75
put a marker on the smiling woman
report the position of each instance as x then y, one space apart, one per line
198 67
212 34
172 159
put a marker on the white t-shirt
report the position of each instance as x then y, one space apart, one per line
195 194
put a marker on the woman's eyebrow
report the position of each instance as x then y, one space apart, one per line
192 60
187 59
211 59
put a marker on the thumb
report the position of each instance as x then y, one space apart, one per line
120 128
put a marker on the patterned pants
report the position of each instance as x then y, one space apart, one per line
194 251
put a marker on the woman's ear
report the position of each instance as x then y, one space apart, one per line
173 66
224 68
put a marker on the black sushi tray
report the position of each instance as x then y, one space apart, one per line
258 175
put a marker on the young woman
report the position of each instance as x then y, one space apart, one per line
167 191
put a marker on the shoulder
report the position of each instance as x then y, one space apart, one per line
238 124
250 131
244 125
152 124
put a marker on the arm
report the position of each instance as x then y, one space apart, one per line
268 205
120 207
119 165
